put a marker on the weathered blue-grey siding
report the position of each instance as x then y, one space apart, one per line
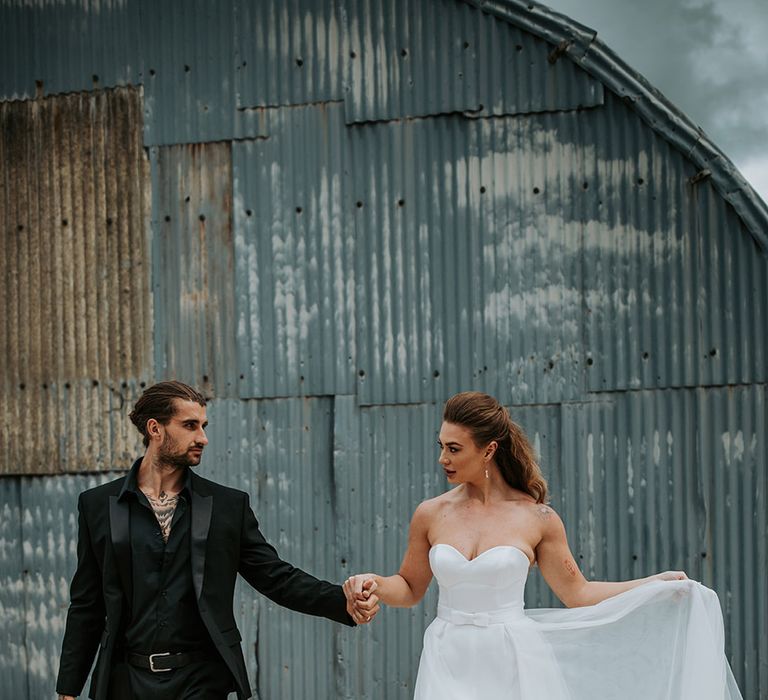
330 216
295 255
414 59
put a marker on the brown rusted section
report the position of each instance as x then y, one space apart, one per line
196 333
76 322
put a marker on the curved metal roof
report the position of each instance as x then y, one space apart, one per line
581 45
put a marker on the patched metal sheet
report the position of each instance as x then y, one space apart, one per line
49 47
675 292
732 424
658 480
76 335
193 264
733 299
13 659
409 58
294 256
468 235
281 452
49 528
288 52
542 426
190 59
385 465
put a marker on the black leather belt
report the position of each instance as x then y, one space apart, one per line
158 663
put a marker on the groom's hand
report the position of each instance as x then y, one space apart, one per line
362 602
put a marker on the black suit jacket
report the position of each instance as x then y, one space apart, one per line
225 540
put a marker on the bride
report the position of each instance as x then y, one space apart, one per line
654 638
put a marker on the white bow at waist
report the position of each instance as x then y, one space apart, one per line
480 619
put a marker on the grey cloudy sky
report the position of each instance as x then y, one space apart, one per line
710 59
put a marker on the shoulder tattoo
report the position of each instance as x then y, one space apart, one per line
544 512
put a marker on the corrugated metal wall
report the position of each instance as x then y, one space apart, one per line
331 216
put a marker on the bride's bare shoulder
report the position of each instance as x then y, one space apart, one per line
541 512
545 520
432 507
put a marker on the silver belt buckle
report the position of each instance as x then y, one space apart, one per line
152 663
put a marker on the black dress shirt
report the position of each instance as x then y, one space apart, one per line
163 613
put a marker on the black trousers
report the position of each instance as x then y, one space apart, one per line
209 680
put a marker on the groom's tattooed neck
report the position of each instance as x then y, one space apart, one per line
164 506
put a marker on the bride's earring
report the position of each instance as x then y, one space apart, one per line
486 473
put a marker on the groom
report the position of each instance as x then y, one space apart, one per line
158 553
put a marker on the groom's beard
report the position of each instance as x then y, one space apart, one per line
169 457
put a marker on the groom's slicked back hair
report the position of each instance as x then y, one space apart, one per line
157 402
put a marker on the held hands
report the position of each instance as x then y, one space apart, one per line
362 603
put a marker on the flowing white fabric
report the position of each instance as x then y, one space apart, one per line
660 641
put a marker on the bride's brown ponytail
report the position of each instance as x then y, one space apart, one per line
488 420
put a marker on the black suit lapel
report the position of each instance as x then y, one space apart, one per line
119 526
201 521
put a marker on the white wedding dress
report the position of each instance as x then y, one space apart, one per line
660 641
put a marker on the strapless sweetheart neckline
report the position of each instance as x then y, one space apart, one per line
484 552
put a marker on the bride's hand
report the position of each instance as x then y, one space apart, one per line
671 576
362 603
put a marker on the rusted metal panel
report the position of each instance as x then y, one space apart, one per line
193 263
409 58
468 236
76 335
295 256
288 52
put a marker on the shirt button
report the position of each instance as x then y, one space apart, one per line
162 623
164 594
